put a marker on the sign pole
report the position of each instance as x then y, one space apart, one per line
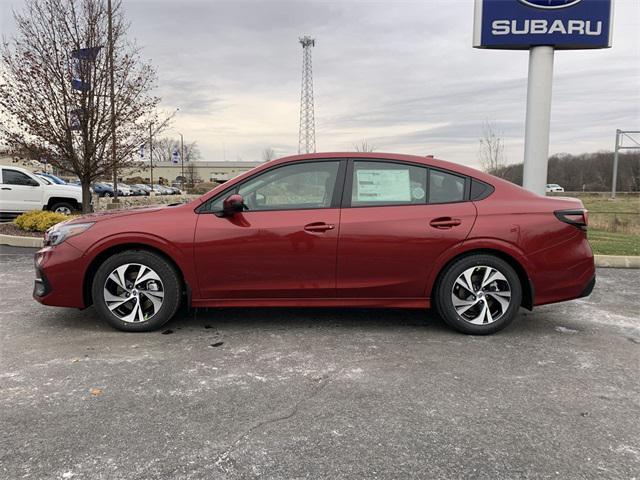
538 118
614 180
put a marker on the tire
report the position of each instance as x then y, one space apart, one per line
62 207
469 314
107 194
152 302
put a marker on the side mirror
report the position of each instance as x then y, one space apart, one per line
231 205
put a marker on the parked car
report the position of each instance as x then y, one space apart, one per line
133 189
145 188
123 189
55 179
137 190
175 190
327 230
553 187
161 190
21 191
102 189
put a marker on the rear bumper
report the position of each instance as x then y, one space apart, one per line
565 272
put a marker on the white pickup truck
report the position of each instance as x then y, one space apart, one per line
21 191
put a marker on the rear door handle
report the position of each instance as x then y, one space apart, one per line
6 188
445 222
319 227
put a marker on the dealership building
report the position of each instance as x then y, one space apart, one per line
201 170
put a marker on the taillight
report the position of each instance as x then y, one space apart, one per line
577 218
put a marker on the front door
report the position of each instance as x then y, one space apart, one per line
283 245
399 219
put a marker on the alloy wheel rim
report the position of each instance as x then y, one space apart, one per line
481 295
63 210
133 292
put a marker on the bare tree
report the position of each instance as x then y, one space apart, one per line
191 172
164 147
46 116
363 146
491 148
268 154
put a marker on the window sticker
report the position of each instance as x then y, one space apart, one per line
383 186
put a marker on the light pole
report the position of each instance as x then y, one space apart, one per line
151 155
182 160
113 105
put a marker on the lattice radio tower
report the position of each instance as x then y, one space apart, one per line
307 136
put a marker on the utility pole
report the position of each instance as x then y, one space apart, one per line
182 159
307 133
113 105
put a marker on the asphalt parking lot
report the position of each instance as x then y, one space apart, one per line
284 394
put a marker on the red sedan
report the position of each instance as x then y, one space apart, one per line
328 230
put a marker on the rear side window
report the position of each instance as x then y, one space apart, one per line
386 183
445 187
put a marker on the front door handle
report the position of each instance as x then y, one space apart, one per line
445 222
319 227
6 188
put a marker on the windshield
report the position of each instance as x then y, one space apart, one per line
46 180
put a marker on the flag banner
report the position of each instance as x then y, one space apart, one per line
141 150
86 53
77 82
175 157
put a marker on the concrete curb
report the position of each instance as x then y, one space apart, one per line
610 261
617 261
17 241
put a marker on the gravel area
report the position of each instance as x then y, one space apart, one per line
8 228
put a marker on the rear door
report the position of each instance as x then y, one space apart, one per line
19 192
397 218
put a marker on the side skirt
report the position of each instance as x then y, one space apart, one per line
315 302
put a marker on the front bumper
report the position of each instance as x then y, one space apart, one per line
59 276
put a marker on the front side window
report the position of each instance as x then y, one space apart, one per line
14 177
387 183
445 187
306 185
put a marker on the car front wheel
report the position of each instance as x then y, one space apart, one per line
136 291
479 294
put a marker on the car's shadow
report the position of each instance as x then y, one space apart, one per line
268 319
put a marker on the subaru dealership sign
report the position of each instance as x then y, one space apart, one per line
562 24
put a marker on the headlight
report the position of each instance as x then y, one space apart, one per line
60 232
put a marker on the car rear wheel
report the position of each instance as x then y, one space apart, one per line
479 294
136 291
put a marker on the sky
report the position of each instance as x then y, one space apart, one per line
401 75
